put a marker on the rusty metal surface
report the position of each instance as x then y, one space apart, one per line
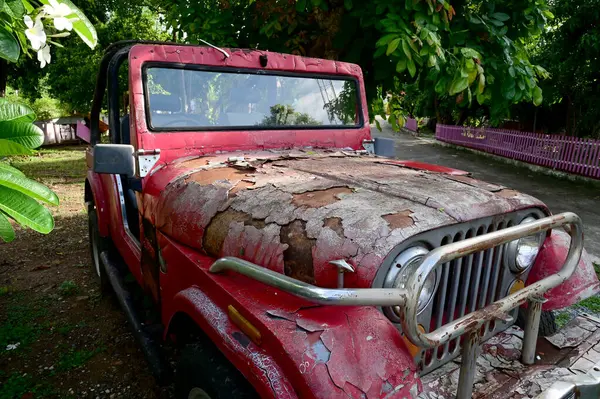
500 375
315 205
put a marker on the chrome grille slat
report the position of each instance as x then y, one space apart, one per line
474 283
457 271
497 265
442 296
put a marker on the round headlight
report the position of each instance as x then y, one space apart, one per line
405 265
521 253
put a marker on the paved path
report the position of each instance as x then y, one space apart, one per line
559 194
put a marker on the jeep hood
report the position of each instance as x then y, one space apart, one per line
293 213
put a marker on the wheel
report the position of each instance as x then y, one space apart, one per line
548 325
97 245
203 372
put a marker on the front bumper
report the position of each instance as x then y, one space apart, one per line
405 300
567 365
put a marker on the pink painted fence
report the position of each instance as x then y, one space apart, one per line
411 124
568 154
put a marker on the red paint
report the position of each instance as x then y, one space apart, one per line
429 167
566 153
104 213
582 284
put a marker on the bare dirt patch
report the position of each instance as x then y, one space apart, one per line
59 338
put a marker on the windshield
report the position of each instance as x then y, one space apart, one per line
189 99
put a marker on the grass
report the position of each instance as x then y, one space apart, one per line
52 165
591 304
68 288
23 386
22 324
562 319
74 359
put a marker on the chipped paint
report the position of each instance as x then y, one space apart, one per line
298 257
345 206
351 347
399 220
320 198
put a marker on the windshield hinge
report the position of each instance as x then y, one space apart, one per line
369 146
146 160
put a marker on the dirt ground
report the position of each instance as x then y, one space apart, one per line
58 337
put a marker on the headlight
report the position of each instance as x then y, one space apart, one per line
405 265
521 253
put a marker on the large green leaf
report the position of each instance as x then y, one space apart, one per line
412 68
6 231
4 167
25 210
459 83
14 8
26 134
83 27
537 96
9 46
27 186
8 147
392 46
15 112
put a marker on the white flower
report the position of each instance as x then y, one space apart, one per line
44 56
11 347
35 32
59 11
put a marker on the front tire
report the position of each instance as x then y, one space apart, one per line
203 372
548 324
98 244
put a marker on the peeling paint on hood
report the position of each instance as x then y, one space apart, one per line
295 212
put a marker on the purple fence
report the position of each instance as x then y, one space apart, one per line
569 154
411 124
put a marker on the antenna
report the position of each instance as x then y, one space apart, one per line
215 47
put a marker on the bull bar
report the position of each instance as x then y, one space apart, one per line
405 300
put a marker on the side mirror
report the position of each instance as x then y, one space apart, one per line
114 159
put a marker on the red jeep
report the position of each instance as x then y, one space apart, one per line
241 190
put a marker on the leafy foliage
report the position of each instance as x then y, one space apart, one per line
569 50
19 195
469 53
72 77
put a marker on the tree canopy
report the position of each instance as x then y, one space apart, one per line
453 60
570 51
471 53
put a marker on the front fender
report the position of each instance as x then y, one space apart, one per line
313 351
255 363
581 285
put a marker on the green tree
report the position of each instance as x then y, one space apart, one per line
467 53
569 50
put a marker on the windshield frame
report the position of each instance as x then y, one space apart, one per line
172 65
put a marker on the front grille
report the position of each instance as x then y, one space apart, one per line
466 284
